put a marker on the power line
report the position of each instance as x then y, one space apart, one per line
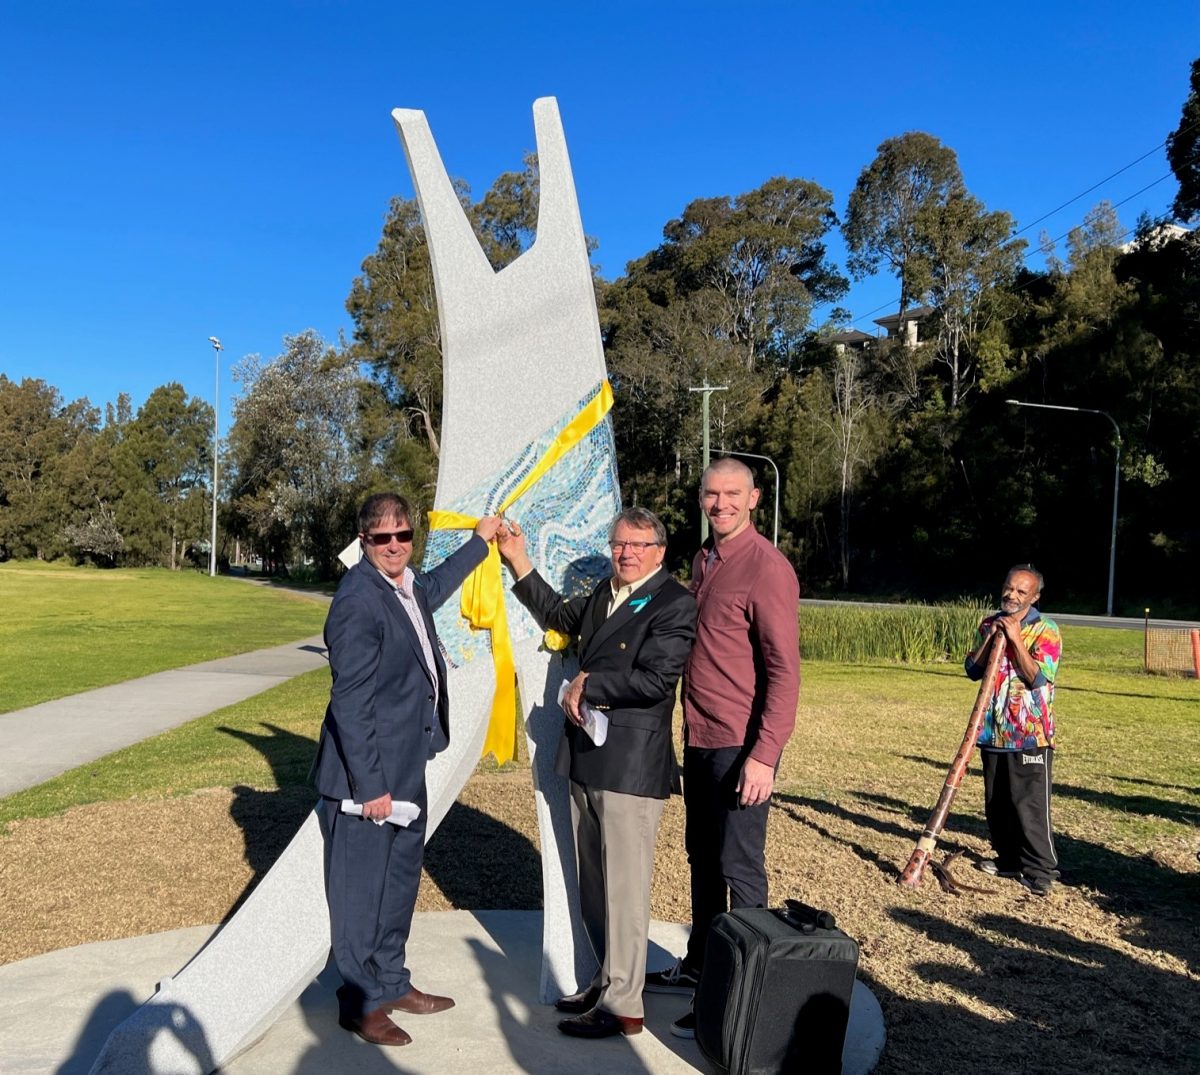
1084 193
1116 205
1071 201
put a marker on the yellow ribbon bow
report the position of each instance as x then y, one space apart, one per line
483 592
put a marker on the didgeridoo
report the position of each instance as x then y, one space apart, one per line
913 872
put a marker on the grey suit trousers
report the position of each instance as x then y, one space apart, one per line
614 847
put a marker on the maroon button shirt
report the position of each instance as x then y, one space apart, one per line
743 675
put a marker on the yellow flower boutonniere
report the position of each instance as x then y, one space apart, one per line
555 641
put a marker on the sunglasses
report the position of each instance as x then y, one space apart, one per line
385 537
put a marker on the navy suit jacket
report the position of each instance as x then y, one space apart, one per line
381 726
634 659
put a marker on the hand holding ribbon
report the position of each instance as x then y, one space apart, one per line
483 592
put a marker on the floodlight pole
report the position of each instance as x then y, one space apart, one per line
217 349
1112 547
755 455
708 390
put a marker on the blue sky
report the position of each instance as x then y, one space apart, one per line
170 172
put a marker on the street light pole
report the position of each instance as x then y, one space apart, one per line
212 550
755 455
1112 547
708 390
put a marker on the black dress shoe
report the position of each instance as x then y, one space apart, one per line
578 1003
376 1028
600 1024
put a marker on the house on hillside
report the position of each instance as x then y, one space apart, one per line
908 327
850 340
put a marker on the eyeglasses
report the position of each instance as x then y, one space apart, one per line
385 537
635 547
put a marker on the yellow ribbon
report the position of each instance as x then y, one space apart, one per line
483 592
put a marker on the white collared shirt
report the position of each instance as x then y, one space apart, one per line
408 602
619 594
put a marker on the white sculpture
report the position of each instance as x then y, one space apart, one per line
522 358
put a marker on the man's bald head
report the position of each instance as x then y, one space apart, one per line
727 496
727 465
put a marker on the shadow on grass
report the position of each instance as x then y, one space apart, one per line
1142 805
1156 784
1068 689
476 861
481 864
1025 993
791 805
1061 1003
1155 903
269 819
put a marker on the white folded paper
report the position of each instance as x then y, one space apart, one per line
595 722
403 814
352 553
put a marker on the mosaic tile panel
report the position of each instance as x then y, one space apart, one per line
565 516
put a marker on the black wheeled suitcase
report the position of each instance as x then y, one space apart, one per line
774 995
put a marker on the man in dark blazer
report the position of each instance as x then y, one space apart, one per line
387 716
633 635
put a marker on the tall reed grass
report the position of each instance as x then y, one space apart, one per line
905 633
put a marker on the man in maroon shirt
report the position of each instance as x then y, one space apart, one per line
740 689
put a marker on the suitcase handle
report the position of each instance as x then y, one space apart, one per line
807 918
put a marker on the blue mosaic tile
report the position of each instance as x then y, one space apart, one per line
565 516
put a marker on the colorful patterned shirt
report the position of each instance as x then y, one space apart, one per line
1020 716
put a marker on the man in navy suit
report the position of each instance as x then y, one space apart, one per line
387 716
633 632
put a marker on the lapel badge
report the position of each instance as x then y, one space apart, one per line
639 603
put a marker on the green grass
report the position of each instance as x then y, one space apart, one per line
64 629
1125 767
875 726
265 742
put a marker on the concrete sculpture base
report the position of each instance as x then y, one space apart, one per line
488 960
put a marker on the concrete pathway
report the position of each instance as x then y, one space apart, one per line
47 739
487 960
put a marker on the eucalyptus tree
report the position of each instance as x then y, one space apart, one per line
161 464
36 429
760 258
1183 152
963 267
727 299
293 452
889 210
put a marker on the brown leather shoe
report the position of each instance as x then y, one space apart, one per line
600 1024
376 1028
414 1002
578 1003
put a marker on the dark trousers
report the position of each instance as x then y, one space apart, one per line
725 842
1016 798
372 873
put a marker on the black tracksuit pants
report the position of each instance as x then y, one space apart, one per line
1016 797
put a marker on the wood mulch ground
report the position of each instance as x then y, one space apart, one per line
1100 977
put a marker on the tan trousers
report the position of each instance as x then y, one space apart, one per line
614 851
